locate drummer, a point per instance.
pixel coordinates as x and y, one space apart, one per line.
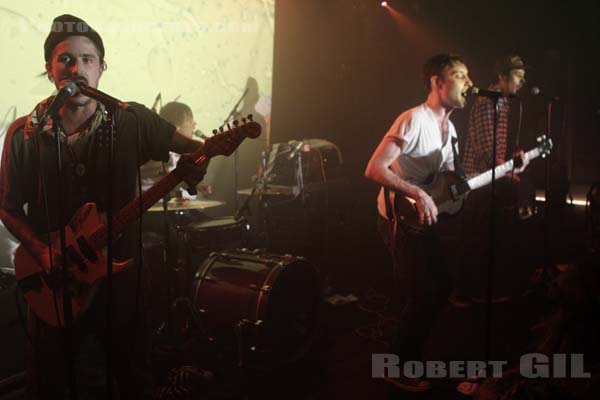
180 115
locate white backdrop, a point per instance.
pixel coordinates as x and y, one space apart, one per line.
203 52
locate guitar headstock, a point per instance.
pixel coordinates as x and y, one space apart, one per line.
544 145
224 142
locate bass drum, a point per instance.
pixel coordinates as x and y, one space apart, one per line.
263 306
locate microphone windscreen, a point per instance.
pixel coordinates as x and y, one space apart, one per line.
70 87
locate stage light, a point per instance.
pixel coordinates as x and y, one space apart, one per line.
384 4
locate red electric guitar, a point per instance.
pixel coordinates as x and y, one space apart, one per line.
86 238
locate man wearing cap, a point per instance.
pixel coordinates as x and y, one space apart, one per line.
510 78
28 176
509 73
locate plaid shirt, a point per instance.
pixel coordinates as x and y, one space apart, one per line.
478 147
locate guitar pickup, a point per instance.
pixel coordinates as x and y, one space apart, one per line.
31 282
458 189
86 249
75 257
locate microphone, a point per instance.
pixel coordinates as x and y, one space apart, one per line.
102 97
68 89
295 150
198 133
535 91
158 98
489 93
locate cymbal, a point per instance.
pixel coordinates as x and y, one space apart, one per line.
179 204
272 191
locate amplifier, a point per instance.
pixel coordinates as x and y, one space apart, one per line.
303 164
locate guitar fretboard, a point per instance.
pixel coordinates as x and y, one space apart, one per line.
501 170
132 211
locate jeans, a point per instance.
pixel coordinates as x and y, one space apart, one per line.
422 278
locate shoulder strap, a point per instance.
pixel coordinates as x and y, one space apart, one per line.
458 168
389 210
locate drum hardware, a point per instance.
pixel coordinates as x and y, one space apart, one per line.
239 332
256 309
261 306
265 288
190 319
181 204
208 278
7 277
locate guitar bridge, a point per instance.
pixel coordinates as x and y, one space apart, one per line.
458 189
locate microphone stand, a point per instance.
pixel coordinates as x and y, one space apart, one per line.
232 113
260 183
109 250
111 104
546 245
167 259
64 276
492 240
261 187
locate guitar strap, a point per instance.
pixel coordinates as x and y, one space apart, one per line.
392 225
389 211
458 168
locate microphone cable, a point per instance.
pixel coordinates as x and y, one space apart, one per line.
48 223
140 246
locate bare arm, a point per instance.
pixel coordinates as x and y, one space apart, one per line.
378 170
182 144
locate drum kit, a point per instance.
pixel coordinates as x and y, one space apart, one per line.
260 307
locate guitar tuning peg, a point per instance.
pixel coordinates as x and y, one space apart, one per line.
244 120
250 117
215 131
544 155
539 139
236 122
228 127
221 129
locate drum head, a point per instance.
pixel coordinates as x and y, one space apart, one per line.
203 237
264 305
216 223
291 313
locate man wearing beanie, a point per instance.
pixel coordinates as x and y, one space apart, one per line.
73 51
509 75
509 78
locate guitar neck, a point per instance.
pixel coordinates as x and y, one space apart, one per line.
132 211
223 143
501 170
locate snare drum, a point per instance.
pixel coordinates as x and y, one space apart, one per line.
216 234
265 306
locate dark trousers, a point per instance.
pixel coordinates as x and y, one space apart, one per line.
513 244
423 281
129 342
